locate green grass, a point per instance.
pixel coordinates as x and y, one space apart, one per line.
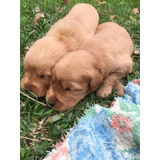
37 134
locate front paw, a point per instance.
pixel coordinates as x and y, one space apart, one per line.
120 91
103 93
120 88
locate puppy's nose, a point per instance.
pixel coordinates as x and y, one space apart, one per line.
51 104
26 90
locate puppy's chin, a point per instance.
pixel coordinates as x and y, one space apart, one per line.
62 108
39 94
35 93
58 106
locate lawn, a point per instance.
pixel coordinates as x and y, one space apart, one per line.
38 134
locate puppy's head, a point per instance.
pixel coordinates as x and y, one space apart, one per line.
73 77
38 64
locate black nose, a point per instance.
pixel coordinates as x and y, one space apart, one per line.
51 104
26 90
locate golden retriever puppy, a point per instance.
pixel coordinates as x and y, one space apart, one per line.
106 58
64 36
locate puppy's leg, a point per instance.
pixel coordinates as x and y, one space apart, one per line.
109 83
119 87
123 65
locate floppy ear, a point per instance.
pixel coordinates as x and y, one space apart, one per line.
96 80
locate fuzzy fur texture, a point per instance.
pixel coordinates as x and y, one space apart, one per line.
64 36
102 61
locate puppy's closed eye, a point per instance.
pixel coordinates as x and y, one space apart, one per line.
42 76
73 87
67 89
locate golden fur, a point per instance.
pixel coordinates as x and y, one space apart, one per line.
103 60
64 36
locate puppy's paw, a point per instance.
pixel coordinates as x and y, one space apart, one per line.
103 93
120 88
120 91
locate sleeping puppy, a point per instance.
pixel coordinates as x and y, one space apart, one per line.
64 36
104 60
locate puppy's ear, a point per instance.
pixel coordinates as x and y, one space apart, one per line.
96 80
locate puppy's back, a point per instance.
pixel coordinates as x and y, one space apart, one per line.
115 36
